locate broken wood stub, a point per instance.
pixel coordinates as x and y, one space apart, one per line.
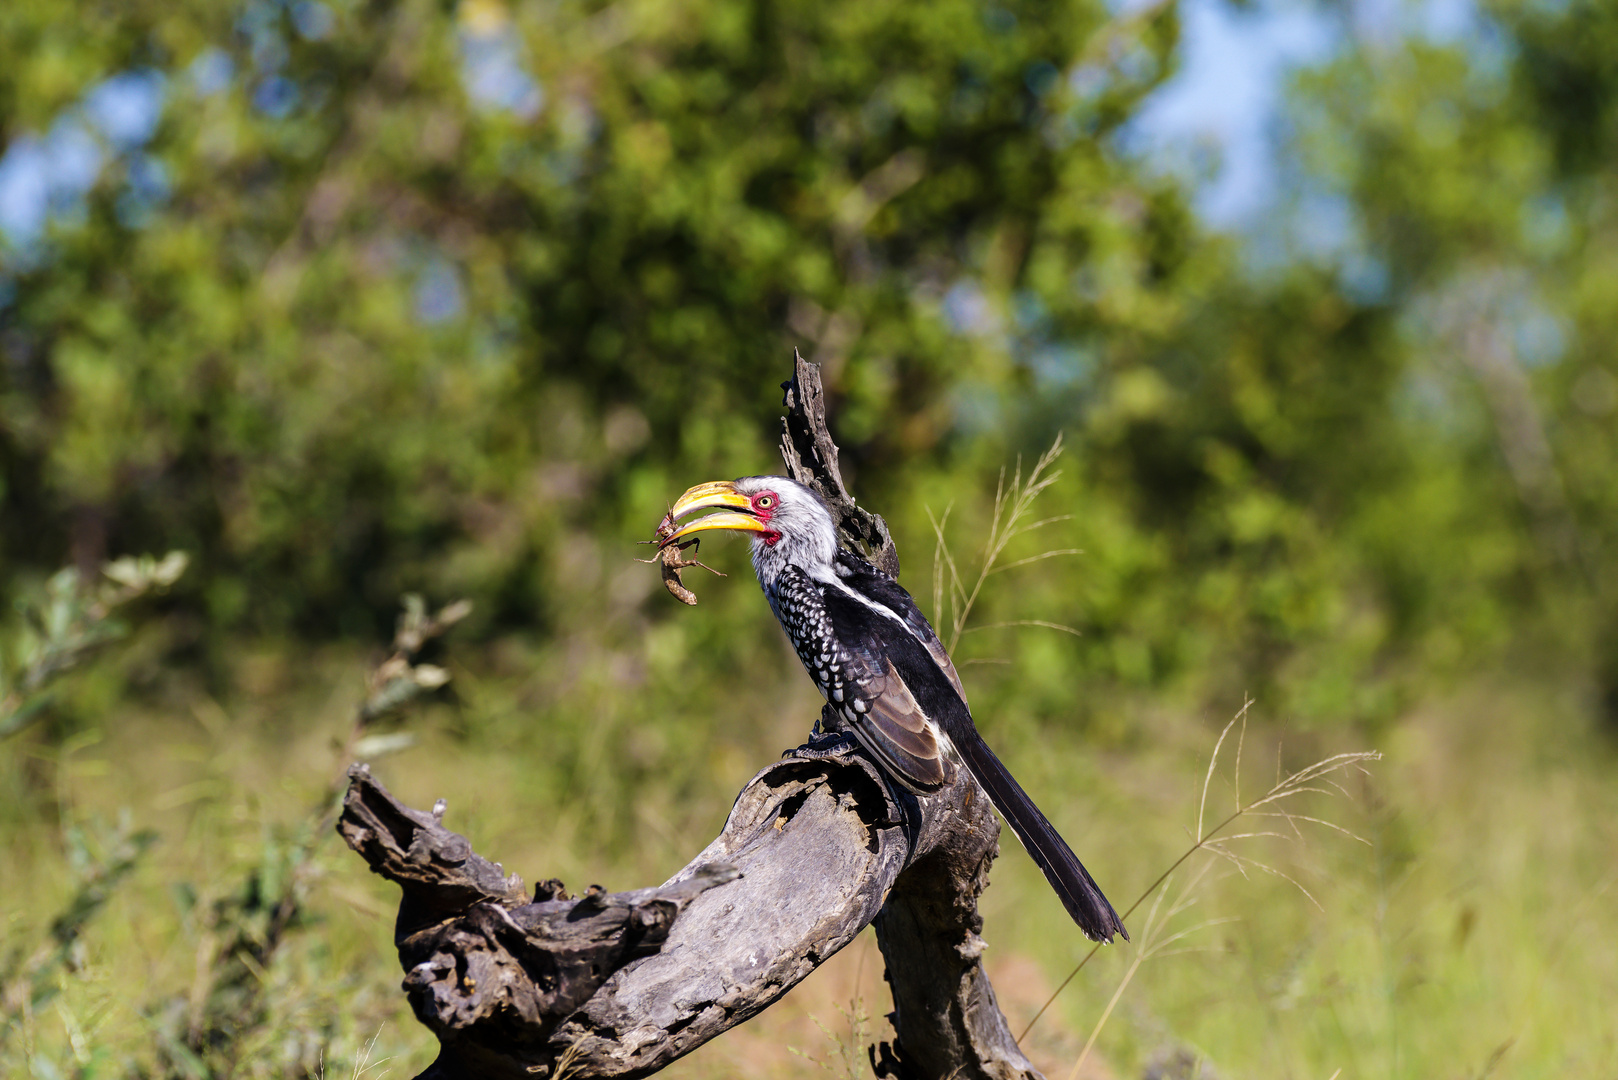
810 456
489 970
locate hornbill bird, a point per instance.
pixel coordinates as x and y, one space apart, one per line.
880 665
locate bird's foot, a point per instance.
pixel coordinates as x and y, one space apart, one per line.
825 744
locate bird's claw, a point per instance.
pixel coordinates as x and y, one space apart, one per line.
825 744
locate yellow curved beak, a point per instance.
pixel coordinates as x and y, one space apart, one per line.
713 495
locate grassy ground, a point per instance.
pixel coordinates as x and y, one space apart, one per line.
1473 933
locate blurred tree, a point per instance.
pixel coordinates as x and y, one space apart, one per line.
415 276
1481 173
401 296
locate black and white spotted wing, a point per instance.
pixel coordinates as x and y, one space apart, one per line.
842 650
874 656
871 583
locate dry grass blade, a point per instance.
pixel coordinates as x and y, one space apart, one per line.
1123 984
942 560
1309 779
1013 506
848 1062
365 1064
569 1056
1293 819
1151 943
1213 763
1037 558
1025 622
1242 862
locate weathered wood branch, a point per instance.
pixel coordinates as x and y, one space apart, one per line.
622 984
818 846
811 459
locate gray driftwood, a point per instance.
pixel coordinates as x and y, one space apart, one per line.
817 846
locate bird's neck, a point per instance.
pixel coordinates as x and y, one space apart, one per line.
771 561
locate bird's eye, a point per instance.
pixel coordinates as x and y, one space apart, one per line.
765 502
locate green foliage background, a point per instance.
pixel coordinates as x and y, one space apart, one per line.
375 335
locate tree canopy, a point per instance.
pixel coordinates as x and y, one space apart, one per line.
424 296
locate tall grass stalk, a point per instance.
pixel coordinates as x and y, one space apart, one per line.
849 1061
1013 504
364 1064
1318 778
1150 942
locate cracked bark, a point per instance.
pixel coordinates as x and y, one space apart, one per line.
818 846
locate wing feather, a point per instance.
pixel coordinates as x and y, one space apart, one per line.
866 579
898 694
894 726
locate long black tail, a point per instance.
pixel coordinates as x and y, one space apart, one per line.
1072 882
